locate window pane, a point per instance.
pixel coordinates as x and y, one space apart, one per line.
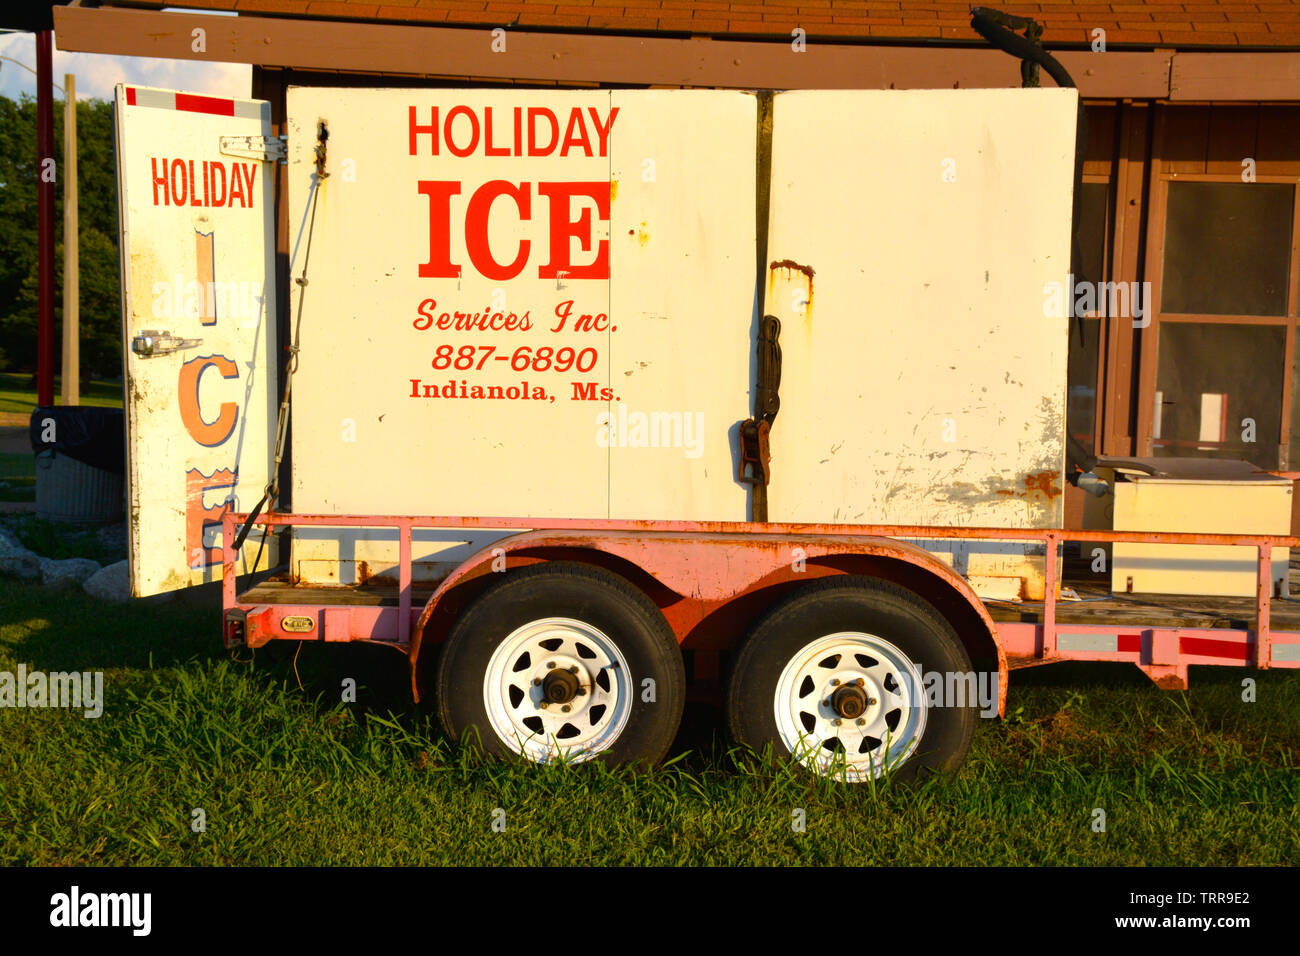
1081 410
1212 377
1227 247
1085 334
1092 231
1295 407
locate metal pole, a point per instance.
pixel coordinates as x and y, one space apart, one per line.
45 176
71 280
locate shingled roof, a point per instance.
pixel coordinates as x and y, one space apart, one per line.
1156 23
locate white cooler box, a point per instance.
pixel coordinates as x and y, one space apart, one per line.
1194 495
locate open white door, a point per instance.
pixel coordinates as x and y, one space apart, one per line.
196 211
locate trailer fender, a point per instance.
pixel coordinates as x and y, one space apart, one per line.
693 576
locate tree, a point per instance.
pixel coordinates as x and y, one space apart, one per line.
100 313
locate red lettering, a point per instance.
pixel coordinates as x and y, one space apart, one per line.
236 185
187 391
564 228
488 150
250 173
603 131
439 265
159 180
218 199
199 518
178 197
575 134
533 113
476 228
473 130
425 309
415 129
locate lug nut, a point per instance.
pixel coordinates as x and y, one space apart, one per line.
582 691
573 669
542 705
565 708
826 702
861 721
871 702
835 682
860 682
550 665
836 721
537 682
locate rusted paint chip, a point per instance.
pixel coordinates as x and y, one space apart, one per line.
1042 482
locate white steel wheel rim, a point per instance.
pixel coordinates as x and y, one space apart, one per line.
514 688
855 749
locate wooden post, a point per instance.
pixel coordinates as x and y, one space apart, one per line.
71 280
45 176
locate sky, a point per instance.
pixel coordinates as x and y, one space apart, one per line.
97 74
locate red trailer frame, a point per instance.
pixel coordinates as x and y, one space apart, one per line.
711 579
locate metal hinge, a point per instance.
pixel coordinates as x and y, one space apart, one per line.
268 149
148 343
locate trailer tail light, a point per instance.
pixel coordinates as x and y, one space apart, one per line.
234 632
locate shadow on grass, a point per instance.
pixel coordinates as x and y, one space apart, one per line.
69 630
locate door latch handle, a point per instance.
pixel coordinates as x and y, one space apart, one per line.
148 343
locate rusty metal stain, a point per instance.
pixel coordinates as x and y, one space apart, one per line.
793 266
1167 681
1043 482
788 268
1040 483
613 189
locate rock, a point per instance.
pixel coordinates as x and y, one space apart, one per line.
112 583
113 537
62 574
17 561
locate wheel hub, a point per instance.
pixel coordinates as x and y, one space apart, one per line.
559 686
849 702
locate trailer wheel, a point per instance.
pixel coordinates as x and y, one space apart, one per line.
834 675
563 660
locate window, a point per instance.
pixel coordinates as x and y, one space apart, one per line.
1223 247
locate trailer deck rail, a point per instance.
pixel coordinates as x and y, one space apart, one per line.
1161 634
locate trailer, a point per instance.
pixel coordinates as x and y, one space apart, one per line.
589 401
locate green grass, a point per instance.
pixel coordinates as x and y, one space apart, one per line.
18 394
289 776
17 477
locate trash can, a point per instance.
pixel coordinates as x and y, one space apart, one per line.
80 463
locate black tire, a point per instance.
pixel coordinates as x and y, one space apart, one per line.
596 598
855 604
